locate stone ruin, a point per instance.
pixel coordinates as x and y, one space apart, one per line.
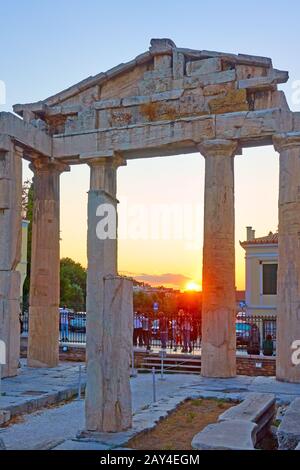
166 101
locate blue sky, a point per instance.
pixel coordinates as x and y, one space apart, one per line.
47 46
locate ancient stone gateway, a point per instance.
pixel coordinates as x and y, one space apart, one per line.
164 102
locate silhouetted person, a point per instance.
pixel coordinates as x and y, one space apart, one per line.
186 326
146 326
64 323
254 341
268 346
137 329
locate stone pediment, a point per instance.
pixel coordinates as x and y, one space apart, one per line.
166 83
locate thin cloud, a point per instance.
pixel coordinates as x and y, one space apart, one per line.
167 279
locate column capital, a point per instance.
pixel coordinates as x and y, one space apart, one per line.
104 173
41 165
19 151
218 148
110 161
286 141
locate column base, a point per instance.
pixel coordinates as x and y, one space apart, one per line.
218 372
43 339
287 380
10 334
291 375
218 349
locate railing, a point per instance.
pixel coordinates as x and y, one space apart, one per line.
255 334
72 326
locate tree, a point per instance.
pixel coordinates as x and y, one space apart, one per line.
72 284
142 301
72 274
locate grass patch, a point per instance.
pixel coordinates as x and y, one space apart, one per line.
176 431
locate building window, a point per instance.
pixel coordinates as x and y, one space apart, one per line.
270 279
269 328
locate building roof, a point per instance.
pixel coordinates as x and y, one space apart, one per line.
270 239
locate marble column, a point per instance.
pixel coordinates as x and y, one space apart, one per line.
218 357
288 281
10 252
43 341
109 308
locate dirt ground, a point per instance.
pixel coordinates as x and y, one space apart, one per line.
177 430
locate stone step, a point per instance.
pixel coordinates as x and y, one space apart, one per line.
157 360
289 429
172 364
258 408
176 364
173 359
227 435
240 427
170 371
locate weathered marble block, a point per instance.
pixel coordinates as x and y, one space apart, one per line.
213 78
289 429
233 101
258 408
205 66
4 194
4 416
178 65
227 435
114 394
162 62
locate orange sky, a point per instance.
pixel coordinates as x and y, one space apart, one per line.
175 182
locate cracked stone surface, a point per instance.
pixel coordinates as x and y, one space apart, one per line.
35 388
50 428
289 430
226 435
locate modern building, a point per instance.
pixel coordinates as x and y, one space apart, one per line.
261 277
261 273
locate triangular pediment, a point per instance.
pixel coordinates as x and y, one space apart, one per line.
164 83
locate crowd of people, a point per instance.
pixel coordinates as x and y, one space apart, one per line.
178 332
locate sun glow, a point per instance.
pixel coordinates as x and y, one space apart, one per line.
193 286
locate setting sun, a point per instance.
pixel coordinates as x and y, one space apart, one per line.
193 286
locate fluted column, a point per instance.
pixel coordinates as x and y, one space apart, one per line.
288 281
10 251
218 357
109 308
43 341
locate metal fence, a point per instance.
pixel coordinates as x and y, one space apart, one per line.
255 334
72 326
